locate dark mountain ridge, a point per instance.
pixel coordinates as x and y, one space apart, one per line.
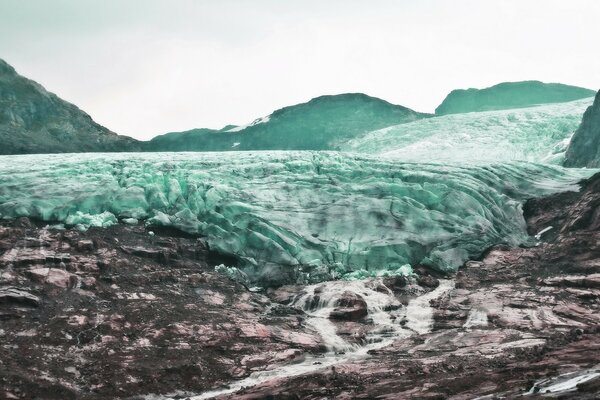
584 149
323 123
509 95
33 120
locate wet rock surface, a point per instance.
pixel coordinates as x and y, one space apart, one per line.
349 307
119 313
515 317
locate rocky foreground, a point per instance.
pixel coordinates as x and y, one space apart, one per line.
516 317
130 311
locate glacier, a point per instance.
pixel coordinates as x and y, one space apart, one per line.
433 192
535 134
292 216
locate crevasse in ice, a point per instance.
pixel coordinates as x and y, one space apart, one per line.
536 134
291 216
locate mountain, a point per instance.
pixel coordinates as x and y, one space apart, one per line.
33 120
323 123
201 139
584 149
509 95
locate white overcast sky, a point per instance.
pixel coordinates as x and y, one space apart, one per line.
143 68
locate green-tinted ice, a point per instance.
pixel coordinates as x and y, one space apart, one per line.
435 192
291 216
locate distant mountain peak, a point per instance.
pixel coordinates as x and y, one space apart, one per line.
507 95
6 68
322 123
344 96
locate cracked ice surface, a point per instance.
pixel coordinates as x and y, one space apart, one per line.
535 134
291 216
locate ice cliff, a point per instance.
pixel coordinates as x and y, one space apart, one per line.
291 216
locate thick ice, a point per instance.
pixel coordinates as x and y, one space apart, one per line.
535 134
291 216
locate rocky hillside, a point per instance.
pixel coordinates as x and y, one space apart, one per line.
584 149
323 123
509 95
33 120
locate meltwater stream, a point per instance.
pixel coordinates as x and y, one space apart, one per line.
384 311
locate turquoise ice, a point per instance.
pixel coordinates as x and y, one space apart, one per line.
432 192
291 216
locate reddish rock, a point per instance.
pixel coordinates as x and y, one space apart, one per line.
269 360
255 330
18 296
85 245
118 313
349 307
23 257
53 276
584 281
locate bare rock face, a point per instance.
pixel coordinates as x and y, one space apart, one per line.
584 149
116 312
349 307
52 276
32 120
17 296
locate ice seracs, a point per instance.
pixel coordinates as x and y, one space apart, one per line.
291 216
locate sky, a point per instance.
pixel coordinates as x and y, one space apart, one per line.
147 67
